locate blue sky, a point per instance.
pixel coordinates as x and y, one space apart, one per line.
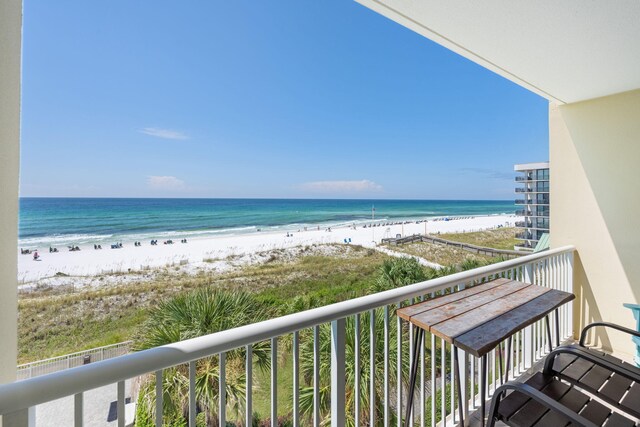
296 98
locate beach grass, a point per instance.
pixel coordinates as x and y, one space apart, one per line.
439 253
63 320
498 238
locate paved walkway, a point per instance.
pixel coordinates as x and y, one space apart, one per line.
99 408
422 261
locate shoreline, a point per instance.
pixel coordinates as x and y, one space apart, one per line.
90 262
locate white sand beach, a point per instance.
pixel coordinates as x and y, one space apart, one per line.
88 261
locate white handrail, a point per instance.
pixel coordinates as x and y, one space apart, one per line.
23 394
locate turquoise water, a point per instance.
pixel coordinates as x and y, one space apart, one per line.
60 221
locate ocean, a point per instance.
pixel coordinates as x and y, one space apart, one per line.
62 221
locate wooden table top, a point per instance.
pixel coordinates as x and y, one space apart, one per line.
476 319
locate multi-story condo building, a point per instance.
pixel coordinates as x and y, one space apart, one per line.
533 202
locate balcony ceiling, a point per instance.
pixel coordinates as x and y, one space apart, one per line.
565 51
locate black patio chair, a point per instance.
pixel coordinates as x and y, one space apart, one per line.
571 389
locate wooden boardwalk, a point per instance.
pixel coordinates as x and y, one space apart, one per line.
481 250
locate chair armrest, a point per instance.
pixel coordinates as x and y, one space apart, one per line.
586 354
583 335
538 396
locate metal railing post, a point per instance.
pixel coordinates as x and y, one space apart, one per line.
527 338
192 394
274 382
78 411
570 323
248 406
338 373
21 418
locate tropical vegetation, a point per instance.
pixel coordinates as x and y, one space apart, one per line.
206 311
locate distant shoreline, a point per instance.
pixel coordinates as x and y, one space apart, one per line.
63 241
88 261
63 222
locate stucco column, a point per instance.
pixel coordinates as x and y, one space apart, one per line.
595 202
10 52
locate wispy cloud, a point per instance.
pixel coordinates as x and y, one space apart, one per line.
167 183
490 173
164 133
360 186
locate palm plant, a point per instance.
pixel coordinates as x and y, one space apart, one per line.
397 272
201 312
393 273
307 368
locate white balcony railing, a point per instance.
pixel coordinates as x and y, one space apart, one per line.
60 363
325 329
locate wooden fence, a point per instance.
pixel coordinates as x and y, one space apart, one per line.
481 250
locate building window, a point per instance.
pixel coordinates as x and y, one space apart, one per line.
542 199
542 186
542 174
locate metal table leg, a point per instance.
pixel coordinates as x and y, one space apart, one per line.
557 328
483 386
506 374
456 365
500 361
417 341
546 318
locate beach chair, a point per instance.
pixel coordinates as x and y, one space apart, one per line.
578 385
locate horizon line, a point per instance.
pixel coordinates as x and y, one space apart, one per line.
263 198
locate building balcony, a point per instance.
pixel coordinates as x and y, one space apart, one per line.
531 202
532 190
532 225
342 330
526 236
530 179
528 213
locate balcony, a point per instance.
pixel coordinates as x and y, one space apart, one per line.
533 213
342 330
531 202
522 178
526 236
532 190
532 224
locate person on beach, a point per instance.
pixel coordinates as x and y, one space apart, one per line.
36 256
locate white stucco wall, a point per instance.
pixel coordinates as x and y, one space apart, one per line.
10 50
595 193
